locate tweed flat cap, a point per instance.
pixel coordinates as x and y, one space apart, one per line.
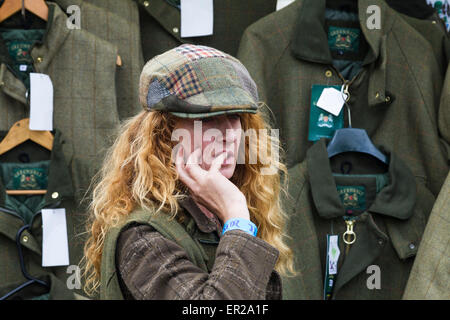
192 81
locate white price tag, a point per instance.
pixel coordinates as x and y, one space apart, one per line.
55 245
41 102
197 18
333 254
332 100
283 3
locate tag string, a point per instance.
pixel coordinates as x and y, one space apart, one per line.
344 89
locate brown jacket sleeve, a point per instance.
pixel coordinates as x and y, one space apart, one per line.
154 267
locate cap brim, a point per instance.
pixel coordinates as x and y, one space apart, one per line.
212 113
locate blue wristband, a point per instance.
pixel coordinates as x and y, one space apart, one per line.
240 224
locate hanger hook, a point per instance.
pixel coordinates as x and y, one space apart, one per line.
23 9
346 97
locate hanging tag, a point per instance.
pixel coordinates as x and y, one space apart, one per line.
322 124
41 102
333 253
283 3
332 100
55 246
197 18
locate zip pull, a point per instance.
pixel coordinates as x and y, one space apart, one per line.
349 236
345 87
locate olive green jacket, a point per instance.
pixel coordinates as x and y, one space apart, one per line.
395 98
118 23
13 217
160 24
430 276
390 217
82 68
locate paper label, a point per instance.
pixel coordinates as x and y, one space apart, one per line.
333 254
197 18
332 100
283 3
322 124
55 245
41 102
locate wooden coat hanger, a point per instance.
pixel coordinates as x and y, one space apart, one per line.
37 7
18 134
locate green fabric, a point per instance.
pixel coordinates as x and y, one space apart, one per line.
159 21
394 219
14 175
19 43
123 30
395 97
85 104
436 34
430 277
59 194
187 235
322 124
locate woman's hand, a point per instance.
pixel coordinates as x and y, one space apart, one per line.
210 188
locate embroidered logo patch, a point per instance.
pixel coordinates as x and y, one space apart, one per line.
353 198
29 179
322 124
20 51
325 120
344 39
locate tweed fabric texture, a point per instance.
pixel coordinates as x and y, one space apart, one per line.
197 81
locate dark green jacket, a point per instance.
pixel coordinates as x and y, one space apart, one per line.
435 32
82 68
18 211
395 97
160 24
390 211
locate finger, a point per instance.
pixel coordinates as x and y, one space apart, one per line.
183 175
217 162
192 165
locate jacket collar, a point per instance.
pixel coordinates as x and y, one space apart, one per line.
204 223
397 199
168 16
43 52
59 179
309 40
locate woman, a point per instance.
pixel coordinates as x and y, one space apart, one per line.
176 217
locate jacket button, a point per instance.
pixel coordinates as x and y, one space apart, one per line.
175 30
55 195
2 84
412 246
328 74
380 242
377 95
25 239
146 3
433 22
39 59
388 99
